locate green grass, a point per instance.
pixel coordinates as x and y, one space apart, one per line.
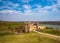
32 37
26 38
6 26
51 31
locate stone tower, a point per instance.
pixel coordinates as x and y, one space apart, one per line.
30 26
27 26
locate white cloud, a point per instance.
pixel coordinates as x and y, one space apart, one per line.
40 11
9 4
26 6
32 13
26 1
11 15
12 4
10 12
58 2
37 11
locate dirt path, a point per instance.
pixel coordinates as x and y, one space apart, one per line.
48 35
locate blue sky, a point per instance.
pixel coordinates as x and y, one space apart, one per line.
30 10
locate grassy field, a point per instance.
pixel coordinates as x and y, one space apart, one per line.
26 38
51 31
6 26
10 37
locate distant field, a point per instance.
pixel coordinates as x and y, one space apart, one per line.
26 38
5 26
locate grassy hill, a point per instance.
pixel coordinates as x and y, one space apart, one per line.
32 37
26 38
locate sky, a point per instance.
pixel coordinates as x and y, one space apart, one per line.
29 10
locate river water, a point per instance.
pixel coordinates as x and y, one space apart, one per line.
52 26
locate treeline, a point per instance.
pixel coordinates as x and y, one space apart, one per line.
18 27
51 22
4 23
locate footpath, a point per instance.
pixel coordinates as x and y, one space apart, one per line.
55 37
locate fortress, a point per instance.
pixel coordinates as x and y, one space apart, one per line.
30 26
